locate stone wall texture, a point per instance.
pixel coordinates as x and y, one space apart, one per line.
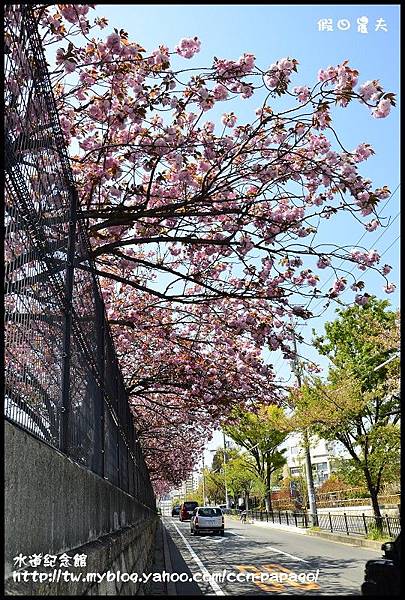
54 506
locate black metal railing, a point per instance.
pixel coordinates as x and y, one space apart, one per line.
63 382
359 524
282 517
363 525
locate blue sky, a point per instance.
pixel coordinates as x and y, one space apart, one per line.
271 32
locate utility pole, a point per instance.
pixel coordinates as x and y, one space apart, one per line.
308 464
226 487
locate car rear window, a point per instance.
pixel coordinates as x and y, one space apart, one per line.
190 505
209 512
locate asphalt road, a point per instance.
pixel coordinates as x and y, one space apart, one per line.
335 568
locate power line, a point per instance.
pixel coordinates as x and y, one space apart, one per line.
344 260
379 237
359 240
367 269
381 212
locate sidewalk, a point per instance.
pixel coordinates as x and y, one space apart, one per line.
168 559
342 538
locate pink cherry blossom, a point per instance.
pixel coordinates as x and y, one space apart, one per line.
338 285
323 262
361 299
187 47
368 89
372 225
229 119
389 288
382 110
303 93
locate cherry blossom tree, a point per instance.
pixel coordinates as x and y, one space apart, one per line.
205 230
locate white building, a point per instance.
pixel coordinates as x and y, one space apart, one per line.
322 455
186 488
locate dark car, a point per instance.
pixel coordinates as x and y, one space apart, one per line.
175 511
382 575
187 509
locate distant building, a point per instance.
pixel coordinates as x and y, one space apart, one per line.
322 455
189 485
187 488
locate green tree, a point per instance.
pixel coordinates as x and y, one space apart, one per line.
358 405
214 486
218 459
261 434
347 471
242 478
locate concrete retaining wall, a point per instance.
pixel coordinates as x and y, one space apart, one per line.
391 511
53 505
110 559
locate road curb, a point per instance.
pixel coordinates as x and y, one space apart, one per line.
270 525
333 537
347 539
170 586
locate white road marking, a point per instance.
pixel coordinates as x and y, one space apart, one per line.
203 569
211 538
286 554
242 537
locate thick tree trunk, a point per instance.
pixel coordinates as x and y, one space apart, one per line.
374 498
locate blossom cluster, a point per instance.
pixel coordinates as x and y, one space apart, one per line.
187 47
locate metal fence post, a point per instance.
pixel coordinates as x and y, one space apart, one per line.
388 525
345 518
279 516
286 516
365 523
330 523
100 360
118 456
67 323
295 519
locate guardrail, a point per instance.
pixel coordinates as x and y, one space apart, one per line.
338 523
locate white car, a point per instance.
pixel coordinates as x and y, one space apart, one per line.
207 518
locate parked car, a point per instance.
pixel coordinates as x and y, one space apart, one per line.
186 510
175 511
382 574
207 518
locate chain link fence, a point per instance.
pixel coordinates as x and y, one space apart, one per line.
62 379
